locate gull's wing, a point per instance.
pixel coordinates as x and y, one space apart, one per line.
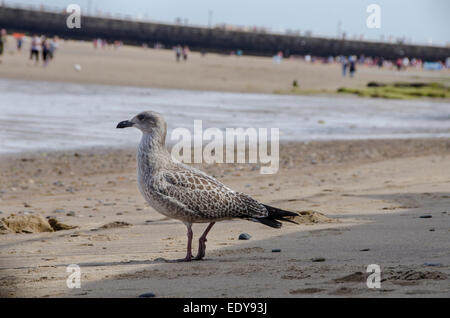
205 196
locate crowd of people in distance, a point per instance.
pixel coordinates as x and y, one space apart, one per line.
181 51
102 43
40 46
349 63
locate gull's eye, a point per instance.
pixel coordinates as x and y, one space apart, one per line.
141 117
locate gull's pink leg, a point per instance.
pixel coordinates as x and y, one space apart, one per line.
202 242
190 235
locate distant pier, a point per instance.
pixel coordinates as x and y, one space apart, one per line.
206 39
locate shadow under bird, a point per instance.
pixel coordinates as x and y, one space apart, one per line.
187 194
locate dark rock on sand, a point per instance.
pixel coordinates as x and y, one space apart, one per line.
147 295
244 236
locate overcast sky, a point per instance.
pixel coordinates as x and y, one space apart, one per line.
421 21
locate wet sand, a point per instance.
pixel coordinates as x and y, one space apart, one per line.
136 66
35 115
376 190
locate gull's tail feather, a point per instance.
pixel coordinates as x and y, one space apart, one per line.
274 216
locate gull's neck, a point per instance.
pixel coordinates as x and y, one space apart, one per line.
152 151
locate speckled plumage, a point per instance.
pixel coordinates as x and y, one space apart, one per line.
182 192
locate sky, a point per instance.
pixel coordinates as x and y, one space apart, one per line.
420 21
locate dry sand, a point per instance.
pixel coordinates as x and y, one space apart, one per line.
136 66
376 190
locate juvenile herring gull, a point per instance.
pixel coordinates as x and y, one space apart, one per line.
185 193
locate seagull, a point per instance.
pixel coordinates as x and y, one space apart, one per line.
189 195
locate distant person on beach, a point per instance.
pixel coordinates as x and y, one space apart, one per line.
178 51
53 46
3 38
405 62
35 48
352 66
344 64
45 51
19 42
2 42
399 64
380 62
185 52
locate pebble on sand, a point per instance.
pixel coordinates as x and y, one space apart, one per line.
433 264
147 295
318 259
425 216
276 250
244 236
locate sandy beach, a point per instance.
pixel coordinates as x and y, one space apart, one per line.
136 66
376 194
381 201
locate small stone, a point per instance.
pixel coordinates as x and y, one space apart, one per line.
59 211
71 213
276 250
425 216
433 264
147 295
432 230
244 236
365 250
318 259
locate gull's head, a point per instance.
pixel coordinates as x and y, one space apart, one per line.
148 122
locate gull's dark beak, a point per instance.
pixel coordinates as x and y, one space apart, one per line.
125 124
